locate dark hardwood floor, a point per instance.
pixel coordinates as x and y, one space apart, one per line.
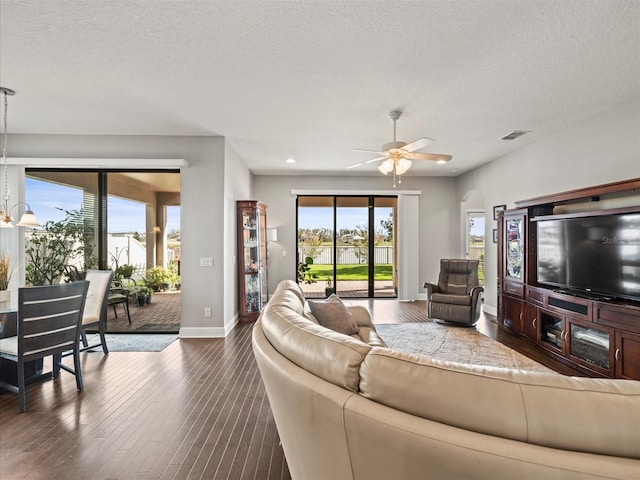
198 409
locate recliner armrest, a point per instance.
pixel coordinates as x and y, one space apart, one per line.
475 291
431 288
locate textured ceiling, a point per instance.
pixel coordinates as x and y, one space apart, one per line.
313 80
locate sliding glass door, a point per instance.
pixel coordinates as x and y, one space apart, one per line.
346 245
126 221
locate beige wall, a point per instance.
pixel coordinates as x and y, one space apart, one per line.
438 228
604 148
202 212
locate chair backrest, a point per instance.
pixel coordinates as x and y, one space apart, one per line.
49 318
458 276
96 305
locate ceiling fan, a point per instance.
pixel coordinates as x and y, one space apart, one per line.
398 156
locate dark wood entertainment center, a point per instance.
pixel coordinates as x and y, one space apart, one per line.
595 334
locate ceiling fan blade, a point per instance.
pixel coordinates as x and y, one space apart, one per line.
354 165
427 156
418 144
376 159
364 163
368 151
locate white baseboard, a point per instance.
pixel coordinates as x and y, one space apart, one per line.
202 332
209 332
490 310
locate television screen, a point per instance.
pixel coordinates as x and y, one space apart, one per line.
599 254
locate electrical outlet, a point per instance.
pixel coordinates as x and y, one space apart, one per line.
207 312
284 253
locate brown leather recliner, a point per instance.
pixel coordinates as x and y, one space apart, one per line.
456 298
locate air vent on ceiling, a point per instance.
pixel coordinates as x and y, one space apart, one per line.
515 134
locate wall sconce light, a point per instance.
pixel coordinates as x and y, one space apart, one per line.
272 234
28 218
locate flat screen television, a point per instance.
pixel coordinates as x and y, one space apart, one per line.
598 255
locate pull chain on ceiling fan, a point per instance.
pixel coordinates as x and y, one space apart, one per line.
398 156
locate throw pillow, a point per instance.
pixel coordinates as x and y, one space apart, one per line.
334 314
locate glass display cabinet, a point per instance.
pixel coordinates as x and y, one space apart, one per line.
252 258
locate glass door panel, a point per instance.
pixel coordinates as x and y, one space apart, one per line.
127 235
384 257
352 246
67 243
315 243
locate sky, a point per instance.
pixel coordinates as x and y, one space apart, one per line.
46 199
322 217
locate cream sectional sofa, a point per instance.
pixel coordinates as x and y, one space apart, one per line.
347 407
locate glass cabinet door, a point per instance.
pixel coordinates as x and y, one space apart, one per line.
514 248
589 345
551 331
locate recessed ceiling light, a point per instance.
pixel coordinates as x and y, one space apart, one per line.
441 162
290 160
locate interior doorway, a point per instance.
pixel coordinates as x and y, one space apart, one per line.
475 240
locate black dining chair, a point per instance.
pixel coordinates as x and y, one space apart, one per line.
49 319
118 294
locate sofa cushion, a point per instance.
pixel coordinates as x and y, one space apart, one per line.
330 355
370 336
334 314
361 315
544 409
292 287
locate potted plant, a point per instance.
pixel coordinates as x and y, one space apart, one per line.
5 276
156 277
305 275
144 295
329 289
124 271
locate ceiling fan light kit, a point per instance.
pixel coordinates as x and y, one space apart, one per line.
398 156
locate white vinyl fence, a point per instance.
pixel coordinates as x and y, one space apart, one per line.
346 255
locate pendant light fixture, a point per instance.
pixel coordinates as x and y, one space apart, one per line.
28 218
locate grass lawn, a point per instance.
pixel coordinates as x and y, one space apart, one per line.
352 272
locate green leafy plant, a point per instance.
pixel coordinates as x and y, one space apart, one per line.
305 275
124 271
50 250
156 277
